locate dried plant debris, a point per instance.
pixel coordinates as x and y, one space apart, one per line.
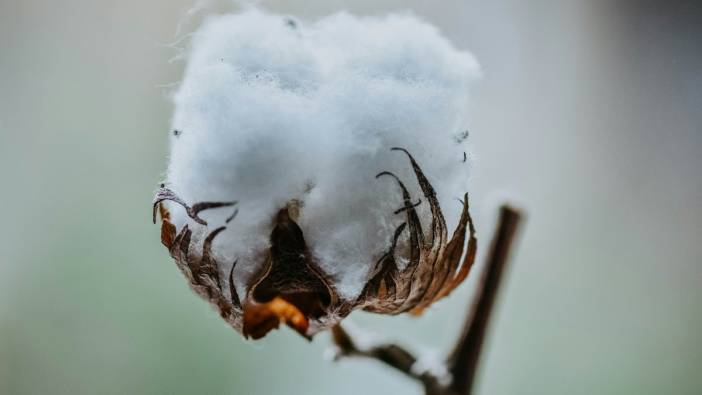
291 286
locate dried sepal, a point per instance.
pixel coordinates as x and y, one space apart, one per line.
450 274
201 272
433 270
289 276
193 212
168 230
290 286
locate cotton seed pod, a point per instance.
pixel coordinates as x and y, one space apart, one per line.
291 288
293 121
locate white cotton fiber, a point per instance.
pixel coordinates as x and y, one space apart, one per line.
272 109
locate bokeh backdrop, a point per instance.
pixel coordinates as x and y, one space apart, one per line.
589 116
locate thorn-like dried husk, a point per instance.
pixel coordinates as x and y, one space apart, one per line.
291 288
433 270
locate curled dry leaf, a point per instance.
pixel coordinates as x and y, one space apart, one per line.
292 289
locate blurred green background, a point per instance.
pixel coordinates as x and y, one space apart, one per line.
589 116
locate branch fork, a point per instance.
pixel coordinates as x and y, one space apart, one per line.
462 361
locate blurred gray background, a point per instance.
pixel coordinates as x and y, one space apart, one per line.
589 116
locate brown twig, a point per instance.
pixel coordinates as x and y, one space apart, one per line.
463 361
391 354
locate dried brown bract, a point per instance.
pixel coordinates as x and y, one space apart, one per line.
292 289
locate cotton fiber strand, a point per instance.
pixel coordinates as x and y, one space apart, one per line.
272 109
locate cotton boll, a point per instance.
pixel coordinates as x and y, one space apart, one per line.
269 112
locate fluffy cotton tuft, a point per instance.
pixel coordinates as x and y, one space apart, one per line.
271 109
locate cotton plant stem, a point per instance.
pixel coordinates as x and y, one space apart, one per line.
390 354
463 361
